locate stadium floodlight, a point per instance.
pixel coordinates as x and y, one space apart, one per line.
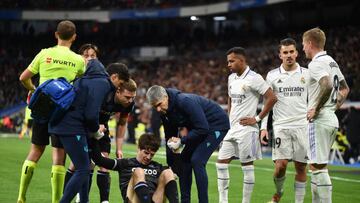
194 18
219 18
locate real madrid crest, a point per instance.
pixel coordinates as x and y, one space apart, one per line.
302 80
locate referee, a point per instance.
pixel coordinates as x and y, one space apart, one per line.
50 63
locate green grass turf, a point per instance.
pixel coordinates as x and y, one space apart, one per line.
346 181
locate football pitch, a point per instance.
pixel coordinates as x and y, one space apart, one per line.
346 180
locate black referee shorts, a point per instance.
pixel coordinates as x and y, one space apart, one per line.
41 136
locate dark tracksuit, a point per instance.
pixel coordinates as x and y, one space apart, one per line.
79 121
208 124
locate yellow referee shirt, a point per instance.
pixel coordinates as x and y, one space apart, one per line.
56 62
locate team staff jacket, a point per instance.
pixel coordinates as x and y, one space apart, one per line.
199 115
91 90
125 167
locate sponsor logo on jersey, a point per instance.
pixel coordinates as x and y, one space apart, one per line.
237 98
333 64
291 91
63 62
48 60
279 81
148 171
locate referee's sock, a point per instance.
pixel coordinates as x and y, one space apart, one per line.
57 182
103 183
171 192
142 192
26 175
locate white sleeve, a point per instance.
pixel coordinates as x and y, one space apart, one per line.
317 70
259 84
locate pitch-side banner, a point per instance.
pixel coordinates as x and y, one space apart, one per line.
107 15
102 16
146 13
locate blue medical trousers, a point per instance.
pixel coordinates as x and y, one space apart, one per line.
77 148
194 158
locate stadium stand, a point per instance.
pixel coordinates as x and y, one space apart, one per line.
96 4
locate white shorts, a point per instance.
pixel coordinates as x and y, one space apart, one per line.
320 140
290 144
246 146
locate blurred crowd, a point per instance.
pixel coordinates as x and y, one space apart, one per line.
98 4
199 68
197 64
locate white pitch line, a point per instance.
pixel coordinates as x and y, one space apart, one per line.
161 154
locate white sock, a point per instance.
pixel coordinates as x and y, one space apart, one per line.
324 186
249 181
223 181
300 189
314 192
279 184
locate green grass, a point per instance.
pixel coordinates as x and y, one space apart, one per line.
346 186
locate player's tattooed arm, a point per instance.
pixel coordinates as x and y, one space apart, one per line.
324 94
342 94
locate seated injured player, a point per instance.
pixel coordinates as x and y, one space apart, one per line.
141 179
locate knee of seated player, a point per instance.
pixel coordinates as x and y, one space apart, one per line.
167 175
138 175
101 169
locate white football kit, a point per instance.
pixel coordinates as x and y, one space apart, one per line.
322 130
289 113
243 141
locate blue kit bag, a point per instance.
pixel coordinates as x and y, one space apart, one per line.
51 100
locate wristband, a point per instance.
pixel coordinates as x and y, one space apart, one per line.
257 118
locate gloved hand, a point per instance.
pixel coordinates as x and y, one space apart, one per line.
97 135
174 144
